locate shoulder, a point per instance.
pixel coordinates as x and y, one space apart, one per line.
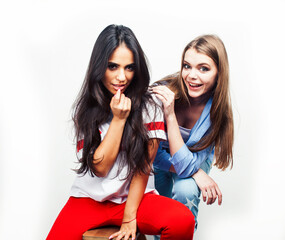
153 109
153 118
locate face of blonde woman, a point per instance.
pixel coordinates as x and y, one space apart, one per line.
120 70
199 73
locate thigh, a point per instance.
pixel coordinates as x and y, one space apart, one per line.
161 215
163 182
186 191
78 216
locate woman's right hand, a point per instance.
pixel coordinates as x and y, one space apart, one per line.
127 230
168 99
120 106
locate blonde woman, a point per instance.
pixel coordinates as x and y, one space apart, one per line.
199 121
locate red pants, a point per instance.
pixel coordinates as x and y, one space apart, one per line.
156 215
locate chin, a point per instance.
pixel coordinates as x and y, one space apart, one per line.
194 95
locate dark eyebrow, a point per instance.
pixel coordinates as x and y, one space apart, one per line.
131 64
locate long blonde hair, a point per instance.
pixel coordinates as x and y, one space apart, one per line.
222 128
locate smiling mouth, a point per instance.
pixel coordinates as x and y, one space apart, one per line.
195 85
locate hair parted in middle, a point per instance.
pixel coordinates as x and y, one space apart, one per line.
92 106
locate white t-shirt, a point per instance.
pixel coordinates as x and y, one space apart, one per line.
114 187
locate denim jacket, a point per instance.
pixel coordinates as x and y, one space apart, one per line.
185 162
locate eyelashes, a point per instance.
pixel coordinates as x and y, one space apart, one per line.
131 67
186 66
114 66
204 69
201 68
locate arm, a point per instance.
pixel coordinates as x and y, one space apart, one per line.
106 153
181 160
208 187
185 162
136 192
168 98
206 184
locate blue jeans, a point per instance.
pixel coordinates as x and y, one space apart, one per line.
184 190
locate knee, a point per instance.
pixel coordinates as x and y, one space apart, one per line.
186 188
188 226
182 227
187 192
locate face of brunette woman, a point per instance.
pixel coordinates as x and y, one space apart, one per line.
199 73
120 70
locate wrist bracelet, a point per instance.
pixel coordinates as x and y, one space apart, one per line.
130 220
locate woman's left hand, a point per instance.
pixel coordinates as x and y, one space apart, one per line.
208 187
127 230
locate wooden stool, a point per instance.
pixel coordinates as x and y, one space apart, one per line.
104 233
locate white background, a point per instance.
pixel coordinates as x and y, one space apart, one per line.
44 51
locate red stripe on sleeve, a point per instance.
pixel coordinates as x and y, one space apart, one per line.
80 145
155 126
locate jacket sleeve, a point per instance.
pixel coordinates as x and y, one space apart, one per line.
186 163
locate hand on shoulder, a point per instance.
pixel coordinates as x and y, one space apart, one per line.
167 98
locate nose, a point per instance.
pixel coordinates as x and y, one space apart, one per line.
121 75
193 74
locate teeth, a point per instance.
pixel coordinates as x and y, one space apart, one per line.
194 85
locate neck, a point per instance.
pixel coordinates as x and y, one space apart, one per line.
201 100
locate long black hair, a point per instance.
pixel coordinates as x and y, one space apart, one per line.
92 106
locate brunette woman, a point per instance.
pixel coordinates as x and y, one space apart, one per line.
118 128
